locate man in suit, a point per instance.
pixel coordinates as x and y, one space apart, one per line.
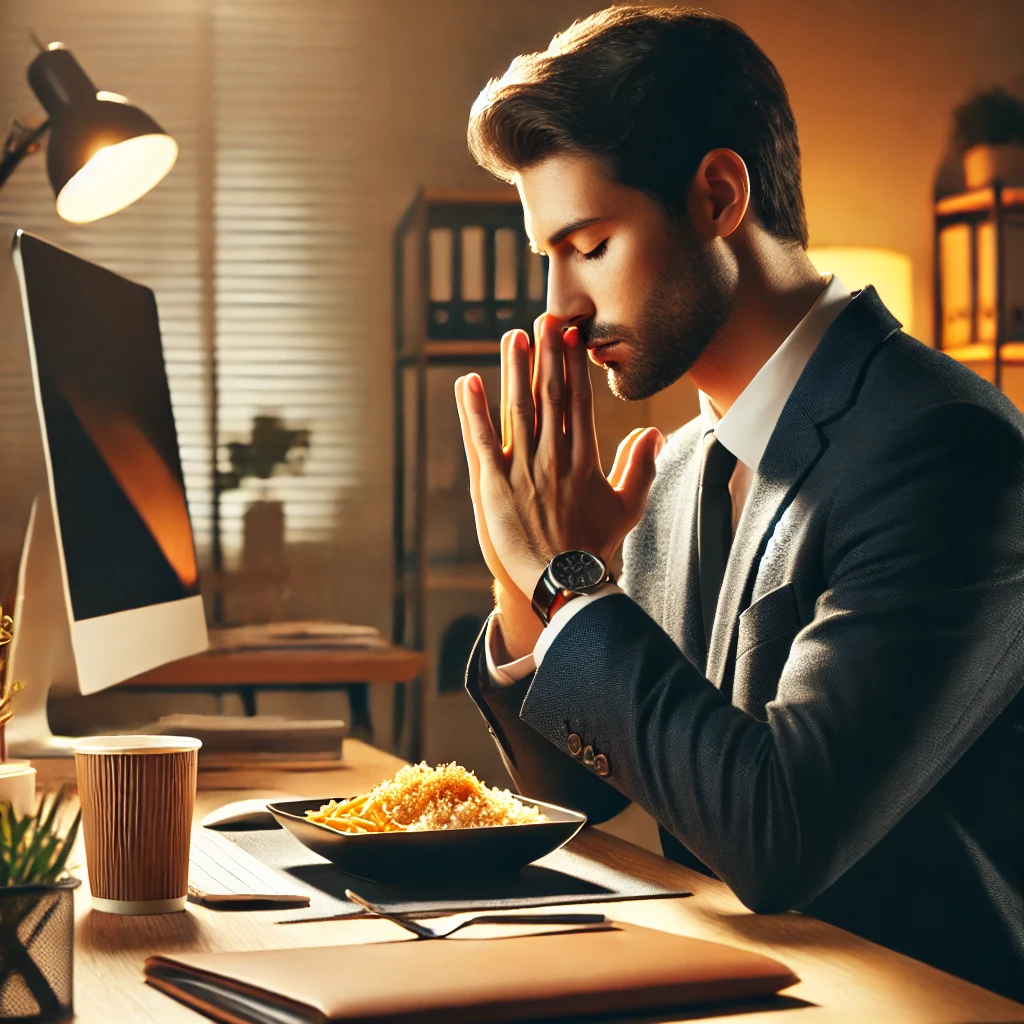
810 670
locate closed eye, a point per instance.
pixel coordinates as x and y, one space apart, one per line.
597 252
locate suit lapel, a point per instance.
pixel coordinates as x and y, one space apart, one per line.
825 389
781 470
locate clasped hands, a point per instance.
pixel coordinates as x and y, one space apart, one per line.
537 486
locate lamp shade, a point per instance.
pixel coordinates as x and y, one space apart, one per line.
858 266
103 152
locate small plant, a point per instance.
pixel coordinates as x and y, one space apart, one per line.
995 118
34 848
272 444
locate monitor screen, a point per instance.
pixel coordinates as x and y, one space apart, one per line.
113 450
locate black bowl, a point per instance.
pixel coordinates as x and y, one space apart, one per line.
457 853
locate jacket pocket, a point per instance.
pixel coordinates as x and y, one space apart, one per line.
769 618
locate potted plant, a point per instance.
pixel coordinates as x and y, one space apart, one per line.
989 132
37 917
271 444
271 447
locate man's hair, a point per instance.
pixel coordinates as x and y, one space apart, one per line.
649 91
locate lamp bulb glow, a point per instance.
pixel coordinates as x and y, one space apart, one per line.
115 177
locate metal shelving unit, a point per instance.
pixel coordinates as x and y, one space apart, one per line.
463 275
979 210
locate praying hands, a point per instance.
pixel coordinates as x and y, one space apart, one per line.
538 487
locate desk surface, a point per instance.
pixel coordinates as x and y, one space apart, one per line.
844 978
252 668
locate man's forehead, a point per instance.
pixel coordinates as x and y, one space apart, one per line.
563 190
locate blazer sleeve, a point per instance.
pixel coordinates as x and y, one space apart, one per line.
538 768
915 646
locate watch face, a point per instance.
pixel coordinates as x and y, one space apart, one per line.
577 570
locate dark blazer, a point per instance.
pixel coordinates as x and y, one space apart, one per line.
852 744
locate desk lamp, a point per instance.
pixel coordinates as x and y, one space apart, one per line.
103 153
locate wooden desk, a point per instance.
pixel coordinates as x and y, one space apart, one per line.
844 978
245 672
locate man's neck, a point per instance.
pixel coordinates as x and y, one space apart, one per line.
770 302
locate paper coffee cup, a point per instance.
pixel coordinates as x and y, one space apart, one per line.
18 786
138 794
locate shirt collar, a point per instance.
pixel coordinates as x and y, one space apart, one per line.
747 427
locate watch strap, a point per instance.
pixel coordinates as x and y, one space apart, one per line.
563 597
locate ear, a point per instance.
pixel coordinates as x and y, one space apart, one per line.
719 194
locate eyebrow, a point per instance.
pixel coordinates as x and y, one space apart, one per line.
563 233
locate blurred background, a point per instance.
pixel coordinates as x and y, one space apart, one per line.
297 277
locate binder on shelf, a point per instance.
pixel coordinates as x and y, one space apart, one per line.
483 277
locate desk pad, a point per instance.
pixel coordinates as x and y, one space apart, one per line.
561 877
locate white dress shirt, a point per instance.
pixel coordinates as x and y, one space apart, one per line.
744 430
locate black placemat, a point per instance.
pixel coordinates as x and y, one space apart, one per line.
561 877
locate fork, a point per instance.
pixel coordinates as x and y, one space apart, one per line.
457 921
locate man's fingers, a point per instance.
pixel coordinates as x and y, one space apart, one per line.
579 414
521 412
549 390
482 434
471 457
639 471
622 456
538 329
506 424
486 545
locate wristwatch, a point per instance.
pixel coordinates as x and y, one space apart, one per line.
569 574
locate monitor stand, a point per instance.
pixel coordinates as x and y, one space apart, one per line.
40 653
29 736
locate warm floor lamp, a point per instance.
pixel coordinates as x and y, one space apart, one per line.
857 266
103 152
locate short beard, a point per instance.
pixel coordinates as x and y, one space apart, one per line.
687 306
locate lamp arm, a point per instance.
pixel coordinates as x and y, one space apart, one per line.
19 143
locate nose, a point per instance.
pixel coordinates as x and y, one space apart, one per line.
568 301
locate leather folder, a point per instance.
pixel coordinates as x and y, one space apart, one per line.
457 981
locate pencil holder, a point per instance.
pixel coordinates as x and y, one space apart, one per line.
37 940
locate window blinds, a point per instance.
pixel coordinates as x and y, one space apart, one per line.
249 244
287 254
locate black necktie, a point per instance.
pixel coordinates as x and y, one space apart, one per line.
714 525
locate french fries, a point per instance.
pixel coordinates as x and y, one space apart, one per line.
360 814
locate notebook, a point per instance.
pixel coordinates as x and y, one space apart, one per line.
456 981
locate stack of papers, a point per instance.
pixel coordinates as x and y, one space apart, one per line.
312 635
228 739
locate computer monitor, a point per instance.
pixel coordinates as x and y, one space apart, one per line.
107 584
